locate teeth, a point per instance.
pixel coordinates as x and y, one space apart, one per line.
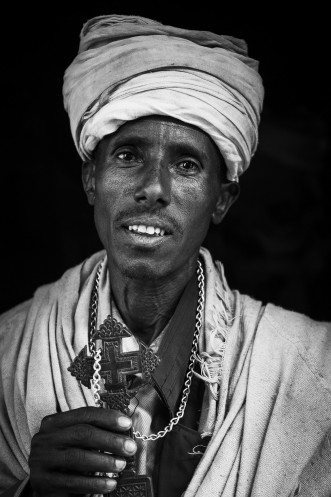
141 228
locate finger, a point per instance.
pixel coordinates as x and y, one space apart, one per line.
86 461
108 419
90 437
84 437
74 484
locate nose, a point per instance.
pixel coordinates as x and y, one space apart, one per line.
153 188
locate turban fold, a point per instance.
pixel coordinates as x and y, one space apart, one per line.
130 67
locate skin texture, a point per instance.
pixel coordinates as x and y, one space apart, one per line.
154 171
65 451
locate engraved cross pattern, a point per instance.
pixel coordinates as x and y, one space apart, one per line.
116 364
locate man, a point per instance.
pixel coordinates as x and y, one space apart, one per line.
140 370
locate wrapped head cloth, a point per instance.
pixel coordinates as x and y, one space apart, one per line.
130 67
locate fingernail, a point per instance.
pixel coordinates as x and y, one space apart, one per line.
120 464
124 422
111 484
130 446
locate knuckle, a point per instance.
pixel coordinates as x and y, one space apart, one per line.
38 457
47 422
111 441
81 433
34 442
67 482
74 457
84 413
88 414
116 442
39 446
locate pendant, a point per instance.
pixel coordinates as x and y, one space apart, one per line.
116 366
117 389
133 486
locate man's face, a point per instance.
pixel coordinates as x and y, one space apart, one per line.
157 185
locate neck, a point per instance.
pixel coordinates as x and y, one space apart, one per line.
147 305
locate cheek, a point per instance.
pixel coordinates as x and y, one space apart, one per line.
106 199
109 187
197 205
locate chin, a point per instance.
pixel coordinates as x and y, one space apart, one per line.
143 270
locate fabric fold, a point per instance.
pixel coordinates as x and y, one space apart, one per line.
271 413
119 54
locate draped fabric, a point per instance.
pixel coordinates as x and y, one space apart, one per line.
267 400
130 67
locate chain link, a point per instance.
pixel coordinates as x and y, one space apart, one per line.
94 309
187 385
188 381
96 378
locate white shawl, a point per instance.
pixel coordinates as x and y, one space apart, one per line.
268 406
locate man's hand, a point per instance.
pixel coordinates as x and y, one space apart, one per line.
70 447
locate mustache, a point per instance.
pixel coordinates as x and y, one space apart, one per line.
163 217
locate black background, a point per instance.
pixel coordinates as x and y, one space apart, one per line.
275 242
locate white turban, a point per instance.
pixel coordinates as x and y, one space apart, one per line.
130 67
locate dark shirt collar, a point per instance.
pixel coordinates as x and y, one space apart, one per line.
175 348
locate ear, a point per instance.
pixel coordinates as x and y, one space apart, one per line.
88 179
228 195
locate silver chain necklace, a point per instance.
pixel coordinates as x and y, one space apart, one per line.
187 385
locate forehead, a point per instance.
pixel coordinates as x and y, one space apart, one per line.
166 131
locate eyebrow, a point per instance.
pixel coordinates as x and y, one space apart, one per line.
178 148
189 149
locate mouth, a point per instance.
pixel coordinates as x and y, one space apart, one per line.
147 227
146 230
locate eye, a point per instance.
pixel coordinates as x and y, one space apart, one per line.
188 167
127 156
